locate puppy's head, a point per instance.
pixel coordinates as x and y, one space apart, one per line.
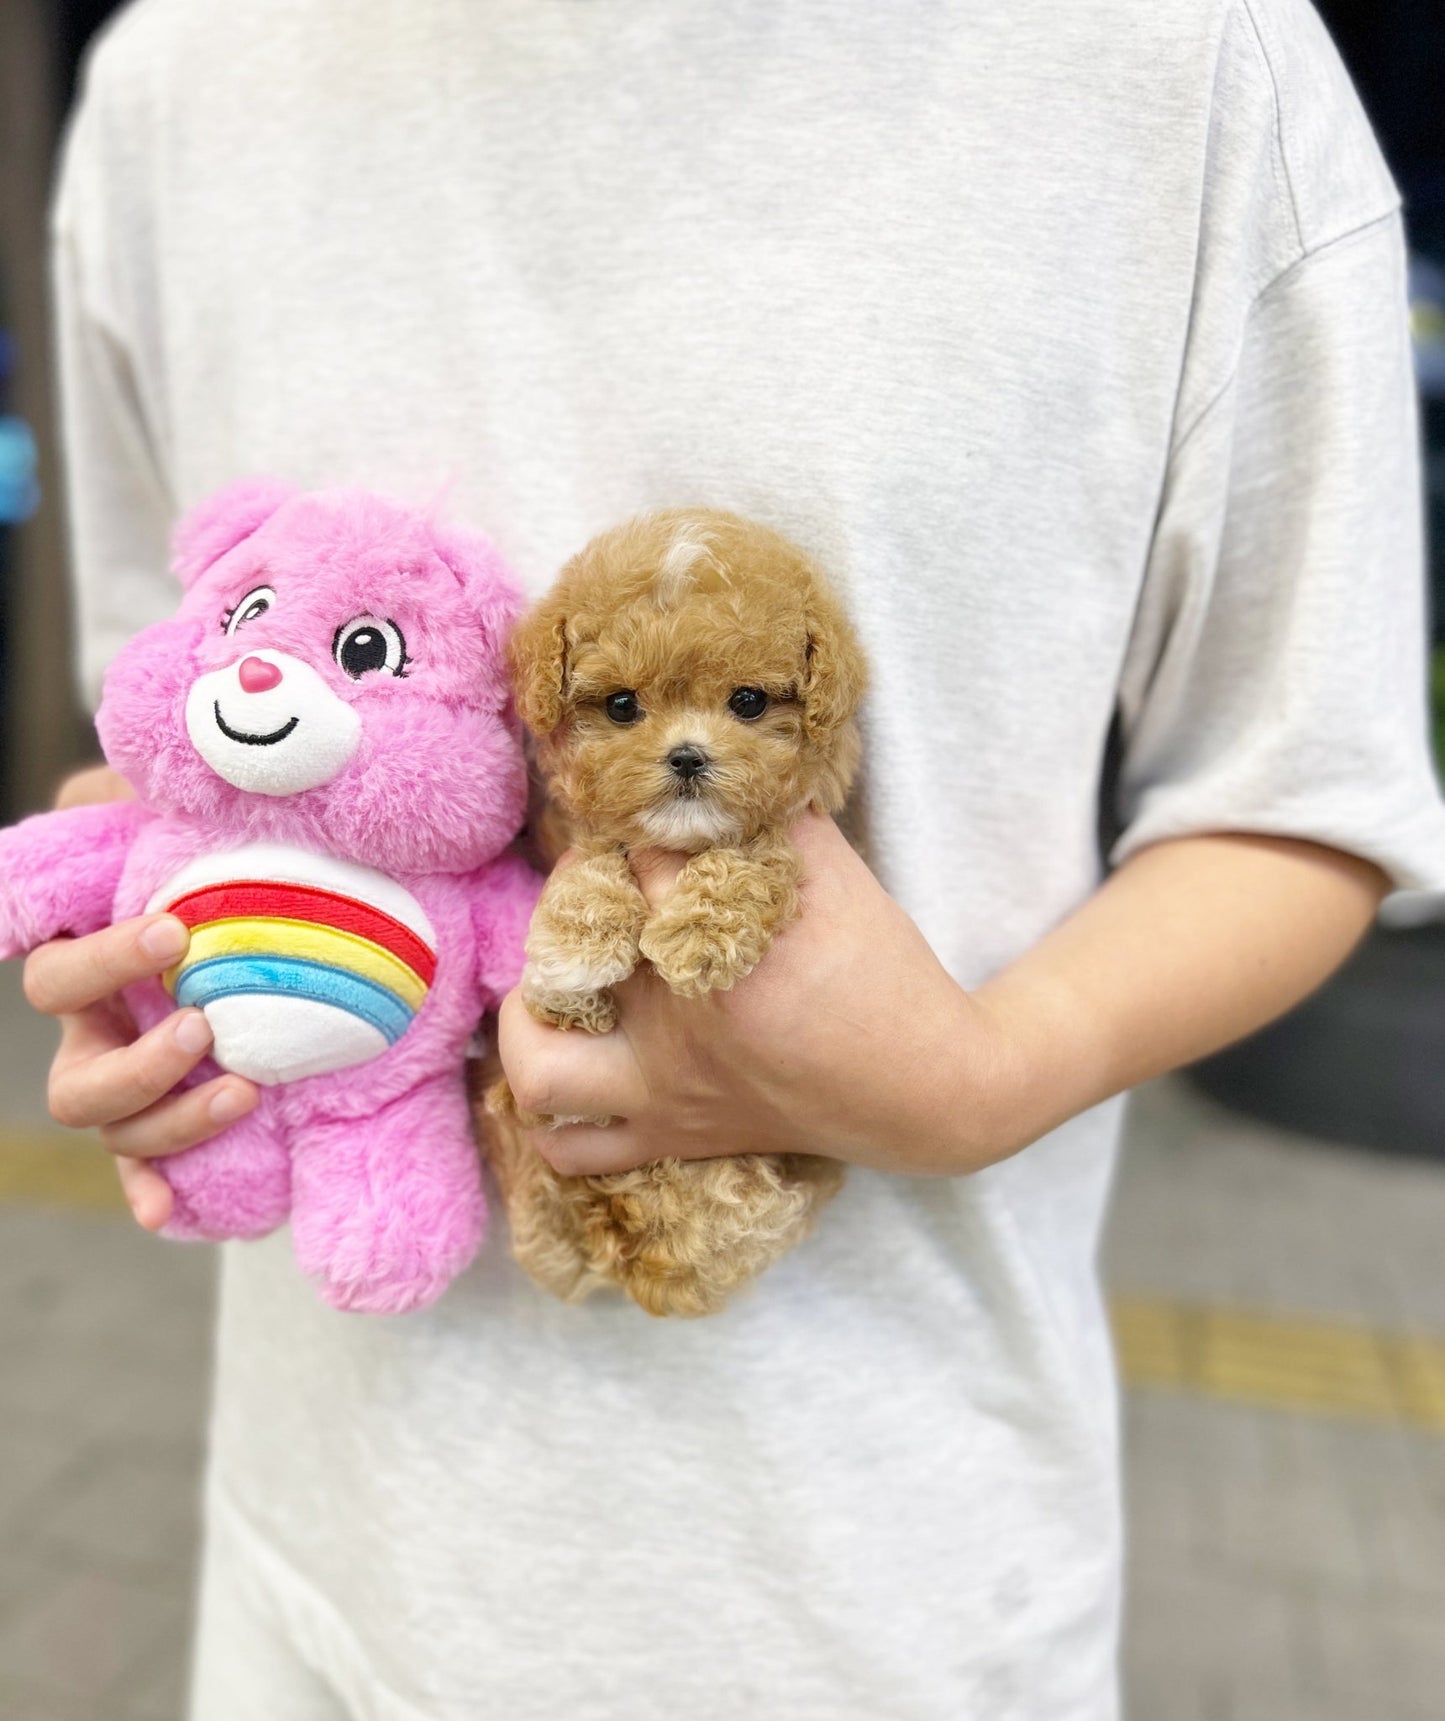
691 681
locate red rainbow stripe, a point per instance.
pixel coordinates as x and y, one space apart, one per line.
258 900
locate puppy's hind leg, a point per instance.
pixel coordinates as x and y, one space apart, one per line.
680 1237
545 1210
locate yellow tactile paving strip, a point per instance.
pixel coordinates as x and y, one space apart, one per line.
58 1171
1310 1367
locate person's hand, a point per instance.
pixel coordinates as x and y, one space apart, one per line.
849 1040
93 785
107 1077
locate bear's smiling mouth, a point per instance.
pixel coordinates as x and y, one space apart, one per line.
253 740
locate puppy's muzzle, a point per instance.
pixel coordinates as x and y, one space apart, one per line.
687 763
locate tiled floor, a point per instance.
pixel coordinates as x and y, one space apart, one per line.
1285 1566
1288 1563
103 1362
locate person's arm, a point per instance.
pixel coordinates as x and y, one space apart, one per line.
1190 945
850 1039
119 506
1272 687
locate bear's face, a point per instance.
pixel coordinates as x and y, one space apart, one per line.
334 677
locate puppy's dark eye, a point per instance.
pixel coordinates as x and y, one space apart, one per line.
623 707
748 703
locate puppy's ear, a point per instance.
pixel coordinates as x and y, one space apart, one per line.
834 673
538 653
834 677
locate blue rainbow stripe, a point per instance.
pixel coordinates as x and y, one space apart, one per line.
225 976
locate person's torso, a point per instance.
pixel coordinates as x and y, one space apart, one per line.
913 284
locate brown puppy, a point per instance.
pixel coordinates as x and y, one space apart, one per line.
692 685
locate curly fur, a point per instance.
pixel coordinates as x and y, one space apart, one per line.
682 608
679 1236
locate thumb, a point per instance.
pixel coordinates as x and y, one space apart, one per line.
656 872
95 783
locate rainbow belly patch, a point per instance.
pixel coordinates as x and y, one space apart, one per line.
300 978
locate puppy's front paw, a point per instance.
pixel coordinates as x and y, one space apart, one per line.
694 955
565 1007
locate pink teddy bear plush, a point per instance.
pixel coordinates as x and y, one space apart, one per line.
329 774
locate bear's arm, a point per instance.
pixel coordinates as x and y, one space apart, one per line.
59 872
503 897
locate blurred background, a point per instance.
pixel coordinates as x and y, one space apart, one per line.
1275 1256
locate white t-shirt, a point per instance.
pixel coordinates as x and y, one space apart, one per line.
1072 339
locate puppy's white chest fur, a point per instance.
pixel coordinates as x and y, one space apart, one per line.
683 824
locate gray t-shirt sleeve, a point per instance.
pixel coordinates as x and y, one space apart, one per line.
119 505
1275 681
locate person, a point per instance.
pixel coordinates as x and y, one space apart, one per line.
1072 341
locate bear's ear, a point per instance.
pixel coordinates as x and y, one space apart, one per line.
484 576
222 521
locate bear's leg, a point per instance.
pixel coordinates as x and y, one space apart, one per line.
388 1209
237 1184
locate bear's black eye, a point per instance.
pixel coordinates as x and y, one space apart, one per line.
255 603
368 644
748 703
622 707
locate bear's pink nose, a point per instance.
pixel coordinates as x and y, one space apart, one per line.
258 676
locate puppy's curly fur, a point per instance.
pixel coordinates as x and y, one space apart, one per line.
691 684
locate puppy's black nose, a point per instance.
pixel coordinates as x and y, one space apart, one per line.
687 762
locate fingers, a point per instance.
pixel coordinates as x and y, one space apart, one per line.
95 1082
816 833
592 1150
656 872
147 1192
95 783
104 1077
566 1074
180 1121
100 1028
71 973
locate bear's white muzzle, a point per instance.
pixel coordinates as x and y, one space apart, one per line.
269 724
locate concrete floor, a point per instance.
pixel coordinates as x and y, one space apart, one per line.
1287 1520
1286 1565
103 1365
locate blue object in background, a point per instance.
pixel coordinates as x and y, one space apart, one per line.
19 486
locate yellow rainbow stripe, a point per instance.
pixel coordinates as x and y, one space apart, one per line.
308 942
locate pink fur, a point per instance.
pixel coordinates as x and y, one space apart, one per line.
59 873
375 1163
414 1207
221 522
444 730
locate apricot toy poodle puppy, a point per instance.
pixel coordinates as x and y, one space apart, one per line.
691 684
